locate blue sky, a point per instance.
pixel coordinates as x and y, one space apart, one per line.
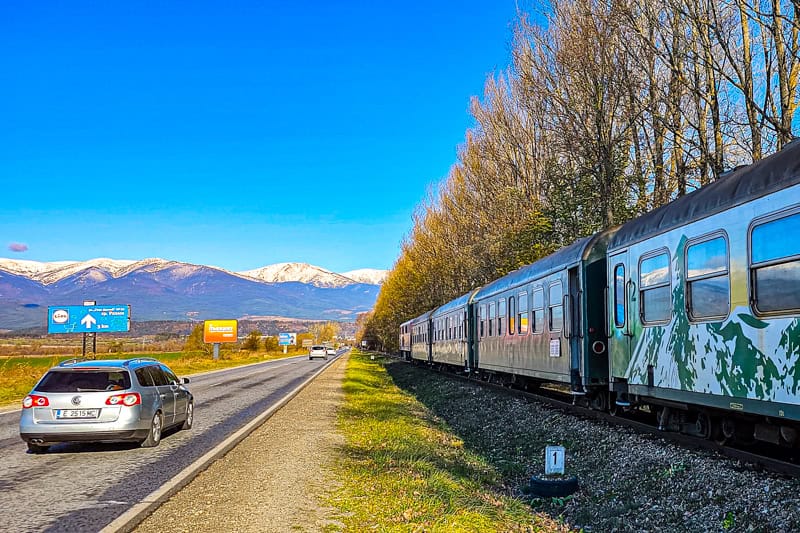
235 134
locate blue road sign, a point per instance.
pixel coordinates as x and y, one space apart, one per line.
88 318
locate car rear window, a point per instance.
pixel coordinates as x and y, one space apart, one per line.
317 347
84 381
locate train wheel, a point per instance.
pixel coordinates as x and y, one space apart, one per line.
599 401
702 426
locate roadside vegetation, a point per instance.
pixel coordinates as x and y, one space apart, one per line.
24 360
403 469
18 374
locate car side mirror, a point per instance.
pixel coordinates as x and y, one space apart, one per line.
185 380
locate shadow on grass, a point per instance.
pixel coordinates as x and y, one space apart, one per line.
487 421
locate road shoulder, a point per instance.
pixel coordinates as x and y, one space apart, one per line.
275 479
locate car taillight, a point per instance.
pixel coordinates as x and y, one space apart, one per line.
33 400
128 399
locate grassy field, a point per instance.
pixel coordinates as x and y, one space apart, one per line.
19 374
404 470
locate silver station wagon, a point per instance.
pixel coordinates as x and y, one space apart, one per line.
101 401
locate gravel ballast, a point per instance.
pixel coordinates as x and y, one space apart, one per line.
628 481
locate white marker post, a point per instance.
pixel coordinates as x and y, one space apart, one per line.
554 458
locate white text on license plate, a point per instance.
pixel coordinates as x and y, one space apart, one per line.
77 413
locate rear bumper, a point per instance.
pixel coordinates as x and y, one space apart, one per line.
94 436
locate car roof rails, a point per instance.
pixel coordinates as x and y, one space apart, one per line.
139 360
75 360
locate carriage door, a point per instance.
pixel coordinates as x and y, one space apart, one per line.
618 314
574 330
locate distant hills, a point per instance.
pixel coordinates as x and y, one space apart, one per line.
163 290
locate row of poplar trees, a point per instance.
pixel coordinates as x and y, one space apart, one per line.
608 110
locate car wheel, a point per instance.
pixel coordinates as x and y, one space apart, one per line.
154 437
37 448
187 424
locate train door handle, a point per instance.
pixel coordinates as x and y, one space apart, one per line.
631 290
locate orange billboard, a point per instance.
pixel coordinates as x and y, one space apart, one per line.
219 331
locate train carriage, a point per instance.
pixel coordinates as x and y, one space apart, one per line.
542 322
450 340
704 304
421 335
405 340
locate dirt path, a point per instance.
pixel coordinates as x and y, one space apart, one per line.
273 480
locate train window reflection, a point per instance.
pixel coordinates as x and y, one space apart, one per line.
775 265
654 282
619 295
512 314
556 307
769 240
707 279
538 310
522 318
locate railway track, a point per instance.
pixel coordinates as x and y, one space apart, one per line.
773 459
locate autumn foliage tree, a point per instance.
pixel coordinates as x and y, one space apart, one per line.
607 110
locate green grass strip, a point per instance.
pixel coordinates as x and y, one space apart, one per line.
403 470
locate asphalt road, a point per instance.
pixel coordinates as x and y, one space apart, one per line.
83 487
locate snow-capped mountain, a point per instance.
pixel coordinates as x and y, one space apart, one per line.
372 276
158 289
51 272
302 272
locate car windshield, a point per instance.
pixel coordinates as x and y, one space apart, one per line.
84 380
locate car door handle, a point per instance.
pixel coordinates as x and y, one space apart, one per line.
163 396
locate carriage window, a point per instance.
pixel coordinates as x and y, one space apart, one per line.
619 295
522 317
707 279
556 307
492 317
501 314
482 320
538 310
512 315
775 265
654 289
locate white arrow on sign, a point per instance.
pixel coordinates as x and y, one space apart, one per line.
88 321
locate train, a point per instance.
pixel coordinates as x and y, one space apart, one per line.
690 312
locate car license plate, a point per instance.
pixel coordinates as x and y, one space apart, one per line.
77 413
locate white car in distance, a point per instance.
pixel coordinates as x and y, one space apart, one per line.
317 351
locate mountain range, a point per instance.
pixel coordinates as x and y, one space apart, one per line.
159 289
